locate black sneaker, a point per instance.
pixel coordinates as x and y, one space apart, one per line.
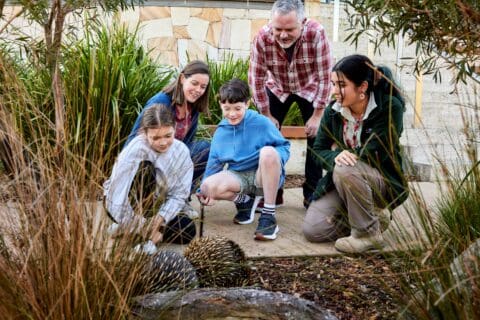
267 227
245 214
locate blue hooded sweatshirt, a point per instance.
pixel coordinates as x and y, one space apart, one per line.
239 145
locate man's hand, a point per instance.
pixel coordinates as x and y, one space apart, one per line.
311 127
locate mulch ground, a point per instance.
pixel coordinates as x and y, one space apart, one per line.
350 287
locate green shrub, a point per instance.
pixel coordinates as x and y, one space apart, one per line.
227 69
108 78
221 72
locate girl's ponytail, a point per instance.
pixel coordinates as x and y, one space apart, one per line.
384 82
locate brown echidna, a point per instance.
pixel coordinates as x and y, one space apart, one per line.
166 271
219 262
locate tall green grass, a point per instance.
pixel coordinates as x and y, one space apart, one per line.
221 72
109 77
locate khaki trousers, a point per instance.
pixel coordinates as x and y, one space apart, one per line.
349 208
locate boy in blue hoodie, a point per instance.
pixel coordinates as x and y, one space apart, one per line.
247 157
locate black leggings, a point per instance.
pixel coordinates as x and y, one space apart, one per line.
279 110
181 229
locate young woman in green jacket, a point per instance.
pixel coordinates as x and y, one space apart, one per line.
358 144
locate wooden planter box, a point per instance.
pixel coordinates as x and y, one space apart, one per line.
289 132
294 132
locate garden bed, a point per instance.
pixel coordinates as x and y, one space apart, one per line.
350 287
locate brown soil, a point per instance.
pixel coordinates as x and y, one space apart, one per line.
350 287
294 181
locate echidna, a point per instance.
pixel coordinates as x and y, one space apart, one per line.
166 271
219 262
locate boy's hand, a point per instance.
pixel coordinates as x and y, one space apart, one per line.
204 199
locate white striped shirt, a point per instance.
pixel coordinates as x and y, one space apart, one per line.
173 167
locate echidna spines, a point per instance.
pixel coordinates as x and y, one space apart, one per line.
167 271
218 261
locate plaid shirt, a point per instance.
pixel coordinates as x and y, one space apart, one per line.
308 74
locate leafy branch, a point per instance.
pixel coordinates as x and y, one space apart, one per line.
450 30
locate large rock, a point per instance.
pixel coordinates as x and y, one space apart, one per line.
231 303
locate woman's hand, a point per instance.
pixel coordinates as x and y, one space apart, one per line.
346 158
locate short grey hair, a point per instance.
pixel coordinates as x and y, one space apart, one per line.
284 7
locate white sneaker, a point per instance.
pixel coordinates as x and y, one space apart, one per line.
190 212
147 247
352 244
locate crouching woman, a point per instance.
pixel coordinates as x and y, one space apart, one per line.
358 144
147 191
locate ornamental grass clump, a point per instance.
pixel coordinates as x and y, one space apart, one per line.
110 78
56 259
441 257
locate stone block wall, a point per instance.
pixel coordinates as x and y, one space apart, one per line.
175 34
172 33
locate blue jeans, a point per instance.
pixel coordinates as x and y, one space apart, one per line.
199 150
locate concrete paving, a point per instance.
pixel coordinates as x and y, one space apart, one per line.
290 240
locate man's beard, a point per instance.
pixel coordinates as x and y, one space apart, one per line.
288 44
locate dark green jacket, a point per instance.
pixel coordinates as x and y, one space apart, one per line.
380 146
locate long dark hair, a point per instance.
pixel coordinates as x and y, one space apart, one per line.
175 89
359 68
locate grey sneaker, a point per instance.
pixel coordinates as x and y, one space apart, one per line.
354 244
245 212
267 228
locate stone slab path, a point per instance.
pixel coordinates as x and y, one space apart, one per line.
290 240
